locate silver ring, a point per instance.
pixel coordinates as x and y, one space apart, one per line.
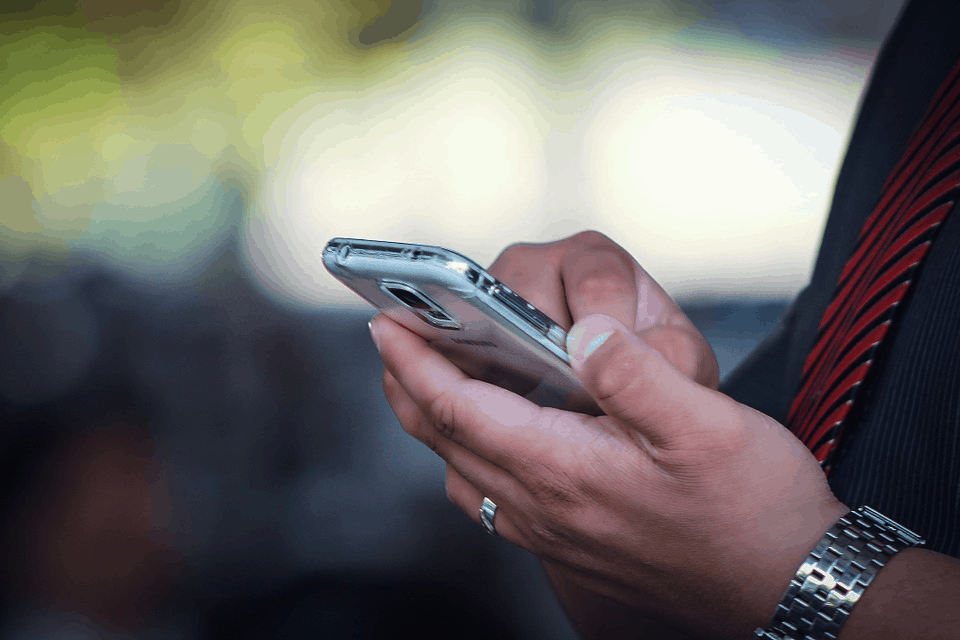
488 511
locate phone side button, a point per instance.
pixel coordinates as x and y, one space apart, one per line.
557 336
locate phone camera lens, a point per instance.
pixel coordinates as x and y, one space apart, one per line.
438 315
410 299
428 310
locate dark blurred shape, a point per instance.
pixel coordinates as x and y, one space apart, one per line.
397 21
352 607
203 461
90 540
781 22
778 22
734 327
100 9
719 316
48 338
544 11
38 7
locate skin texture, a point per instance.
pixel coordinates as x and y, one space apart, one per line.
678 513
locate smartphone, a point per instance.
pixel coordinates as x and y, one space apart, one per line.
463 312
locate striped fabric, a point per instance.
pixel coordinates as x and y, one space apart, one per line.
915 200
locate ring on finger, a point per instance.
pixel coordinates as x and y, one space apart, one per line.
488 511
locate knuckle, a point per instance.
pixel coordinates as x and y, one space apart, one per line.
598 284
389 385
556 492
443 415
413 421
552 497
524 251
677 345
422 431
589 238
451 493
621 382
513 255
518 249
546 536
603 269
559 504
732 440
428 440
553 535
514 264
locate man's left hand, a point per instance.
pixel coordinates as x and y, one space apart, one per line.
680 502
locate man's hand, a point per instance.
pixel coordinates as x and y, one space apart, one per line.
588 273
678 502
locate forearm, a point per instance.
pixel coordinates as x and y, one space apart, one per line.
916 595
596 617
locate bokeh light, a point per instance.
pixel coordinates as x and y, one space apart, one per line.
148 136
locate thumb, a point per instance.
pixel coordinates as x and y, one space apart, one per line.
634 383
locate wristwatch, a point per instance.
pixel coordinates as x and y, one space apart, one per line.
833 577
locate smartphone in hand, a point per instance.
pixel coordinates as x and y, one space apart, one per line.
475 321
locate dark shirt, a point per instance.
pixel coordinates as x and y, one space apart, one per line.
900 452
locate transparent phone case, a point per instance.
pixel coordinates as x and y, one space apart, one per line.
463 312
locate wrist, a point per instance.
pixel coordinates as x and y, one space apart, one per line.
830 581
775 559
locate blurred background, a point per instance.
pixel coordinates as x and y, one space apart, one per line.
193 434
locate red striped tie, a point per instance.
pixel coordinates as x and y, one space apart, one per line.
893 242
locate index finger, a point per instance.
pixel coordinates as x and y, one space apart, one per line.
488 421
598 276
601 277
574 277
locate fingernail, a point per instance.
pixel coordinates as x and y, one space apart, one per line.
576 340
596 342
374 335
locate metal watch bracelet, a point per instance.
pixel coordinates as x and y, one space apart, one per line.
833 577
